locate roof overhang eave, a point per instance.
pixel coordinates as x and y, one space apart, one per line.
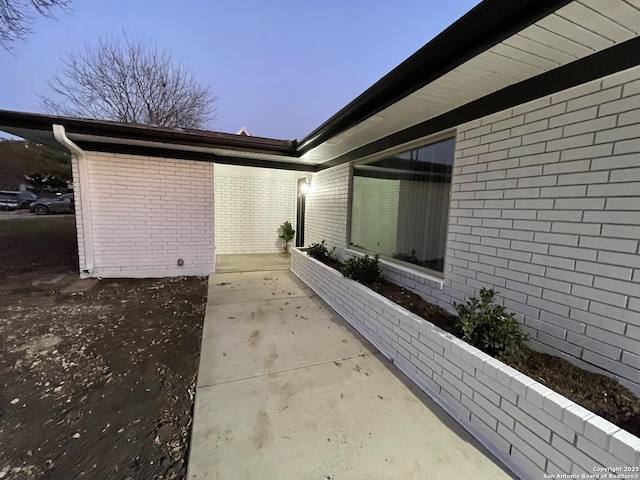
105 128
104 136
210 153
487 24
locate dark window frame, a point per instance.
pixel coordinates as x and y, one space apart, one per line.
382 158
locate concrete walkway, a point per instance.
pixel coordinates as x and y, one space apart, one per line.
252 263
288 390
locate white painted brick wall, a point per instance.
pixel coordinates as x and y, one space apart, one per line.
147 212
545 208
532 429
327 208
576 211
250 205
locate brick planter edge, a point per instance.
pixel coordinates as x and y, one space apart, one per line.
530 428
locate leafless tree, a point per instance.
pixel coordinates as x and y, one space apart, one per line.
16 17
129 81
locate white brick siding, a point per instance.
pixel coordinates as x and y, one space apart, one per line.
532 429
146 213
545 208
250 204
574 225
327 208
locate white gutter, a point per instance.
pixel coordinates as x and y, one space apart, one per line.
85 202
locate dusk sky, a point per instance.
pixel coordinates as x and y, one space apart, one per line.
279 67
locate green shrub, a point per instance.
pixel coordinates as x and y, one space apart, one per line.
320 252
489 327
286 233
362 269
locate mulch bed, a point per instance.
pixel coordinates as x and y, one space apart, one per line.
96 384
600 394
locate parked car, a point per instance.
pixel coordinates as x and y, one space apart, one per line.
16 200
61 204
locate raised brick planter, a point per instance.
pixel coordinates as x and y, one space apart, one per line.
532 429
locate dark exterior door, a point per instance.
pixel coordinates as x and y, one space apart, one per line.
303 187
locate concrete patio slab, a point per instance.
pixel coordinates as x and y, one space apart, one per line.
253 286
246 339
356 419
318 403
252 262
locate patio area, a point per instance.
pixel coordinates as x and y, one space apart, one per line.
252 263
288 390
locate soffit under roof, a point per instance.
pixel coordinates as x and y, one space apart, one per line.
575 31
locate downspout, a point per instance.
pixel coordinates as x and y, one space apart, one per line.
85 202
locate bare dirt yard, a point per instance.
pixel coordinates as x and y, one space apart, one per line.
94 384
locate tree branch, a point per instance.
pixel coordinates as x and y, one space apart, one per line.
129 81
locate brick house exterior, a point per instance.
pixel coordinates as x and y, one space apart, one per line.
542 99
146 213
545 208
250 205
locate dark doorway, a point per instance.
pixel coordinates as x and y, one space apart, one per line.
303 188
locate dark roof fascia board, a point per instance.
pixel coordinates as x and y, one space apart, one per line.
100 128
606 62
191 155
487 24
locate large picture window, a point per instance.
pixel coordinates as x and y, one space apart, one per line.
400 205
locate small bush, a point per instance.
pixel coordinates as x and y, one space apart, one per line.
320 252
286 233
489 327
362 269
